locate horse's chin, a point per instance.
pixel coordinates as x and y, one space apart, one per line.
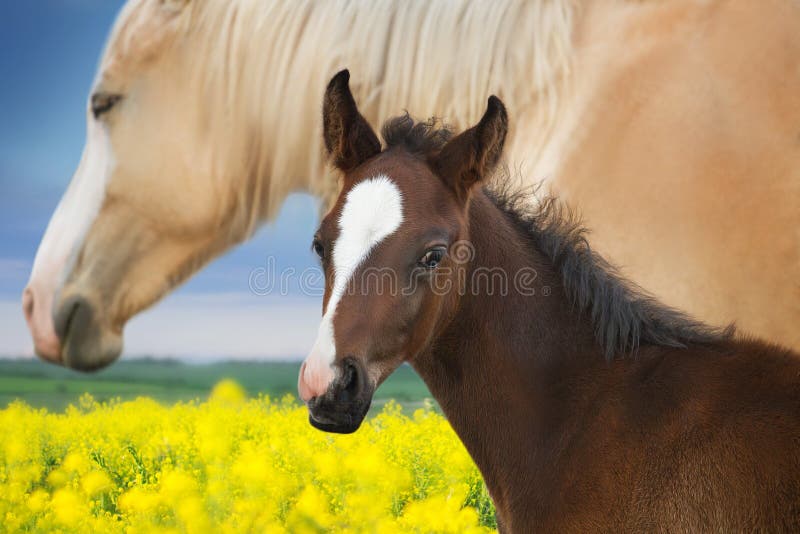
92 355
341 419
335 427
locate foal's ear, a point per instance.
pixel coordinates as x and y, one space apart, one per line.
349 139
471 156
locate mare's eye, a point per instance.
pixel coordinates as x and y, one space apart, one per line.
103 103
318 249
432 258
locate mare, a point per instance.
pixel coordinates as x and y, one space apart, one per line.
672 126
588 405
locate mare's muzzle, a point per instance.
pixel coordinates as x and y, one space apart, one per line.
86 343
346 402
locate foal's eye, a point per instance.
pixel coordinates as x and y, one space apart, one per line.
432 258
318 249
103 103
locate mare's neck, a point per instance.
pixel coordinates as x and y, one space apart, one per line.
493 367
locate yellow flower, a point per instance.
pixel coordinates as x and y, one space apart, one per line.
74 463
68 507
177 485
37 501
228 391
57 478
138 501
95 482
231 465
310 513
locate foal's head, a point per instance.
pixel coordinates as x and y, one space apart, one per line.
386 248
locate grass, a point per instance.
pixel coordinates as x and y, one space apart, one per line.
48 386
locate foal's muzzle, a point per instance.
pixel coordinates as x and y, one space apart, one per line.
343 407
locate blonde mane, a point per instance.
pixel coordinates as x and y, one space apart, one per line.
260 69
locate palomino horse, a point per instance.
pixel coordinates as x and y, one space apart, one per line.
694 432
672 125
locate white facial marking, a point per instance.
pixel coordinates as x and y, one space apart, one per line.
78 207
65 234
372 211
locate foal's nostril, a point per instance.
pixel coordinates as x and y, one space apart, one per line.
345 403
351 382
350 378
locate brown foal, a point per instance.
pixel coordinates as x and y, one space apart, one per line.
587 405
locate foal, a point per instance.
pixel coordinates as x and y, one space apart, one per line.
586 405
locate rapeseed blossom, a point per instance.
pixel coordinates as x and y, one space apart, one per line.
231 465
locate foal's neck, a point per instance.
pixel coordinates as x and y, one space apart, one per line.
522 325
493 367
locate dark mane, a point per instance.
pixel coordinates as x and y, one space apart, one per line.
624 315
422 138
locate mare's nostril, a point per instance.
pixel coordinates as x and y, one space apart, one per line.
74 316
27 304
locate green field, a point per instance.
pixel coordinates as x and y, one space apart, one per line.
48 386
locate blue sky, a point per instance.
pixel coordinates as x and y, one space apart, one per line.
49 50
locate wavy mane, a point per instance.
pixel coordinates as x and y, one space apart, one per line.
623 314
260 69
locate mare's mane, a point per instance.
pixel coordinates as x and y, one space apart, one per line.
256 67
623 314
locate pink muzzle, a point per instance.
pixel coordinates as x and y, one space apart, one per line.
314 379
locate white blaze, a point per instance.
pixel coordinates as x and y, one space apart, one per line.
373 210
67 229
80 204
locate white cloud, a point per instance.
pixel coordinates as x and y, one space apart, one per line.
201 327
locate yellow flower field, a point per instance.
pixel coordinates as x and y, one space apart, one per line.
232 465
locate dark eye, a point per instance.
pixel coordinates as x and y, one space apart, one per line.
318 248
103 103
432 258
